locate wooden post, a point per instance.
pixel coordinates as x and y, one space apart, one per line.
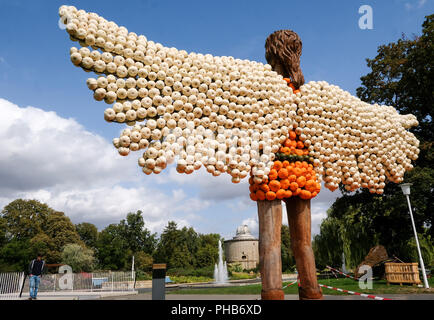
270 223
299 221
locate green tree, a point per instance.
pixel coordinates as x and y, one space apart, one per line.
31 227
61 231
207 253
181 257
185 248
15 255
3 232
88 233
190 238
426 247
79 258
167 243
343 235
288 261
25 218
117 243
143 261
42 243
133 231
112 248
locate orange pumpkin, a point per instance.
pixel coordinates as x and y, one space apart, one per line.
280 194
305 195
283 173
260 195
265 187
301 181
288 194
270 195
273 174
293 186
274 185
277 165
284 184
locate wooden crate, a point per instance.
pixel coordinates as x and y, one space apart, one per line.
402 273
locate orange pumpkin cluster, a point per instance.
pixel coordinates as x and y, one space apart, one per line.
288 178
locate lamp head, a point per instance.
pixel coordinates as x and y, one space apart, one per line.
405 187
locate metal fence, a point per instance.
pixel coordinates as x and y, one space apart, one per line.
10 285
88 282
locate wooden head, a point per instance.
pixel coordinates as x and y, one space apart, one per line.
283 51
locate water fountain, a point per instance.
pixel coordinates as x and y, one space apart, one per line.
220 269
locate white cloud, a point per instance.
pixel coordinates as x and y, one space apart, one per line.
57 161
253 225
419 4
41 150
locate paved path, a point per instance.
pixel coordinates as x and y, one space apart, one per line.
146 296
78 295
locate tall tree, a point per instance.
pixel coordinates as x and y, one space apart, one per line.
136 235
185 248
112 248
288 261
61 231
168 242
3 231
15 255
143 261
88 233
25 218
117 243
31 227
207 253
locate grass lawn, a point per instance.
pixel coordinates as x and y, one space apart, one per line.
379 287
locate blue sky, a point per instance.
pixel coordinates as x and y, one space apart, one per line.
35 71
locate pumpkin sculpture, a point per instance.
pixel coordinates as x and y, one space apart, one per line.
243 118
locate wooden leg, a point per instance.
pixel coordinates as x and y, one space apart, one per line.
270 223
300 231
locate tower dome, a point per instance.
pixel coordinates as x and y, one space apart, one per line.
242 249
243 232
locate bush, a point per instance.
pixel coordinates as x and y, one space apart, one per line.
79 258
235 267
254 270
242 276
199 272
141 275
190 279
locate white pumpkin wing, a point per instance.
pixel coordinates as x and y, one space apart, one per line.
232 115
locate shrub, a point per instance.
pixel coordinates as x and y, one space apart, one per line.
199 272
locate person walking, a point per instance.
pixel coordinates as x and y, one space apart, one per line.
36 268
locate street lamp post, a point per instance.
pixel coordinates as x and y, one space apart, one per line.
406 191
